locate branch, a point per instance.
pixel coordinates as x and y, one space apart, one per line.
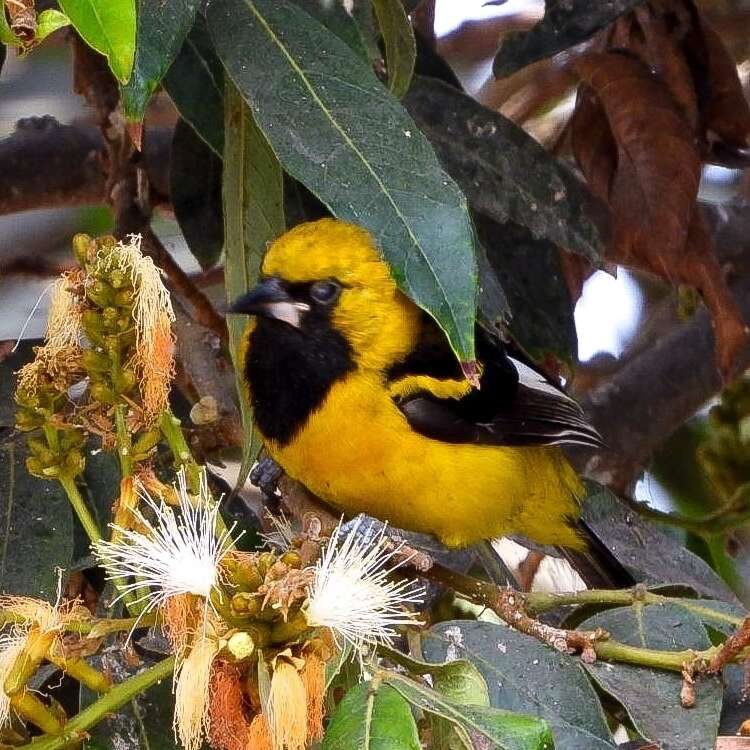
666 383
48 165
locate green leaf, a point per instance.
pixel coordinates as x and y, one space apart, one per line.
195 83
400 47
372 717
652 696
37 529
643 547
253 216
565 24
7 35
335 17
504 172
195 179
109 27
162 28
141 722
335 128
48 21
525 676
530 272
505 729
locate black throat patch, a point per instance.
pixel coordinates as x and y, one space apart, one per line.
291 370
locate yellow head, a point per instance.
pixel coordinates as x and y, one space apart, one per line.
331 270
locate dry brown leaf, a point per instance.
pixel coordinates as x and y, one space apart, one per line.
726 113
592 142
650 182
660 48
699 267
654 187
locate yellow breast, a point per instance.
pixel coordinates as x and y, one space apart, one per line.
358 453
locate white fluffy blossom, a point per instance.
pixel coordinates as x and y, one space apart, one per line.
352 593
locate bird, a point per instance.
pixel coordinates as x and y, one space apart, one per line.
358 396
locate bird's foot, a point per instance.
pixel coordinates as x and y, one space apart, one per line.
367 528
265 475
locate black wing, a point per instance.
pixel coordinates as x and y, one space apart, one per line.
514 406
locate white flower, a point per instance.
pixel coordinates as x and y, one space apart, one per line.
351 592
175 554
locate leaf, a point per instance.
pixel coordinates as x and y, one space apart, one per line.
37 529
372 717
253 200
343 135
525 676
506 730
648 554
400 47
49 21
139 724
726 111
652 696
653 187
335 17
530 272
195 83
504 172
162 28
109 27
565 24
195 174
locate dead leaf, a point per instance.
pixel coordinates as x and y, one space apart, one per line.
638 152
593 145
726 113
653 190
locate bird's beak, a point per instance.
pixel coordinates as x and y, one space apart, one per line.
271 300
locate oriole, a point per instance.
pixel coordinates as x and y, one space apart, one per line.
358 396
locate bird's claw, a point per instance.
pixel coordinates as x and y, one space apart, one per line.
265 475
367 528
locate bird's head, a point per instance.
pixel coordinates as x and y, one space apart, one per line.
329 274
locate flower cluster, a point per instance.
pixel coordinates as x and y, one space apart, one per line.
238 621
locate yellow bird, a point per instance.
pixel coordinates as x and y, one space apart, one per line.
358 396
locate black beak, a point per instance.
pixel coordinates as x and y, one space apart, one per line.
270 299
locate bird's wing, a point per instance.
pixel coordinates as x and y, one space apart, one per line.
514 406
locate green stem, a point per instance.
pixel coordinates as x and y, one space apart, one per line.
171 429
98 626
77 728
716 522
90 526
124 446
674 661
539 601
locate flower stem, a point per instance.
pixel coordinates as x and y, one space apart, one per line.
90 526
77 728
540 601
123 441
171 429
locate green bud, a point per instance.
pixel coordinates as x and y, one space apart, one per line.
103 394
83 248
34 467
147 441
124 381
101 293
74 463
118 278
292 559
97 361
124 298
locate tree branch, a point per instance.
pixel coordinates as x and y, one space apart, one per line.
48 165
666 383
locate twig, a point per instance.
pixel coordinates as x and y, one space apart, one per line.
182 284
77 728
731 648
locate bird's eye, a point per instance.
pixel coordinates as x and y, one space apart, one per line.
325 292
